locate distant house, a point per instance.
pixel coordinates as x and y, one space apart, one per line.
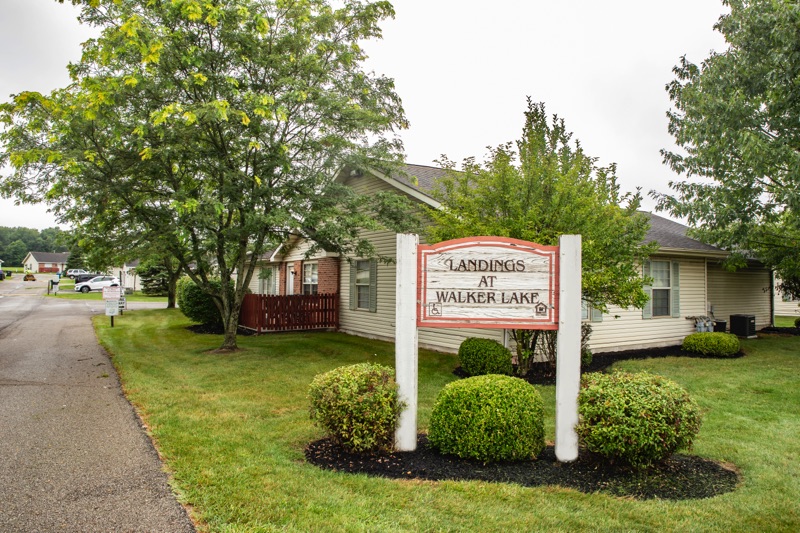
126 273
689 281
41 262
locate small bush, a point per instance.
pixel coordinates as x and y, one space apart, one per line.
484 356
637 419
357 405
488 418
796 320
198 305
712 343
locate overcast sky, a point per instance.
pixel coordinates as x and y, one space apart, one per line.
463 69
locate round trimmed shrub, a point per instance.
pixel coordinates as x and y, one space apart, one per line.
197 304
357 405
796 320
717 344
636 419
484 356
488 418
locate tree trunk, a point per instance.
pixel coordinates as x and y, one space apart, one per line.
230 321
172 289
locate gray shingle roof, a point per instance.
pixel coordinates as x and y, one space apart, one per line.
425 177
48 257
670 235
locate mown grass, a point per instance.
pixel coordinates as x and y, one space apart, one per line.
784 321
66 290
232 428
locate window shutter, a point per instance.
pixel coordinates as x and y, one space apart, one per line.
647 310
353 291
373 285
676 289
597 315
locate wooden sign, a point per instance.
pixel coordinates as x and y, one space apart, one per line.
488 282
112 293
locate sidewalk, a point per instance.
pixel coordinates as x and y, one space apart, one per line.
73 453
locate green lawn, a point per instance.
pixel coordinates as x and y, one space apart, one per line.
785 321
66 290
232 428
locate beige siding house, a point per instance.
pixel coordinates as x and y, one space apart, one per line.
45 262
688 282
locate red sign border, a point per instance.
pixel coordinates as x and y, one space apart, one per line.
425 250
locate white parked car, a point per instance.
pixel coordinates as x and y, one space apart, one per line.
96 284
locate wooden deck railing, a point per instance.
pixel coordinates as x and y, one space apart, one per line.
261 312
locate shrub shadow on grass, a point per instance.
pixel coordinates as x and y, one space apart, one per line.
681 477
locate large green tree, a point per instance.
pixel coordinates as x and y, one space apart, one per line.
736 118
542 188
214 127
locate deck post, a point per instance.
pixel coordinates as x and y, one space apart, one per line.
406 342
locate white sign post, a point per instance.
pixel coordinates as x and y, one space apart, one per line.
490 282
406 343
568 350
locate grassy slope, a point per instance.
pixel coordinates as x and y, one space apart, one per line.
232 429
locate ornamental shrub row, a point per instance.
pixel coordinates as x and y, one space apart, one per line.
633 419
717 344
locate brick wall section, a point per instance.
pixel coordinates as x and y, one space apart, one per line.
298 277
282 279
328 275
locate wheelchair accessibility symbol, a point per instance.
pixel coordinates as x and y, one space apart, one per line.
434 309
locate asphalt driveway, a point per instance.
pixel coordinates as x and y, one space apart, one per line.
73 454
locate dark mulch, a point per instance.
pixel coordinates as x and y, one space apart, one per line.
781 331
544 373
682 477
211 329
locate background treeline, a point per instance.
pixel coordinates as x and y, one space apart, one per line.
15 243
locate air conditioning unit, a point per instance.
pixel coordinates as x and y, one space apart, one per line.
743 325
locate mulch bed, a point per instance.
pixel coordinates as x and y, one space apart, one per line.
681 477
545 374
781 331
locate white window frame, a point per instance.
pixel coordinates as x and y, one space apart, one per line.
310 271
370 266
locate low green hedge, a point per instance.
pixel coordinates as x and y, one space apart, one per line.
357 405
712 343
636 419
488 418
484 356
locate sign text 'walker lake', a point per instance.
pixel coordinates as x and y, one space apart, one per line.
488 282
